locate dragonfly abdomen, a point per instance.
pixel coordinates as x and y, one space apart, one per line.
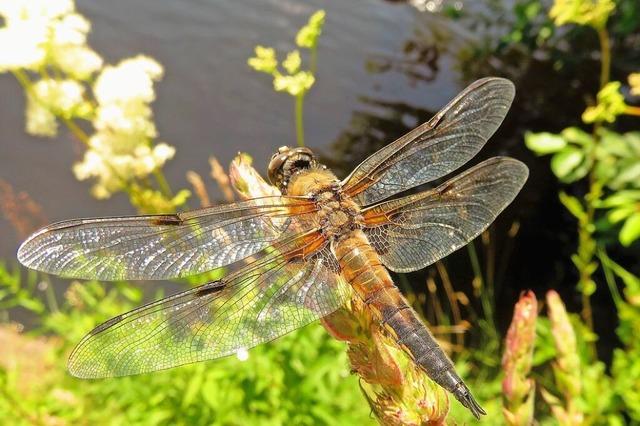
416 340
362 268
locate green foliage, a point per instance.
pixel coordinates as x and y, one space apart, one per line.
609 162
604 397
303 378
592 13
609 106
614 160
623 207
16 291
625 367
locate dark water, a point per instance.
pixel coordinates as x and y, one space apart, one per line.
210 102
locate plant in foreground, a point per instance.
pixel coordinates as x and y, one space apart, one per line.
518 388
397 391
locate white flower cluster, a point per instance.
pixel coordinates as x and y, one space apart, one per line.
39 31
49 98
47 38
121 149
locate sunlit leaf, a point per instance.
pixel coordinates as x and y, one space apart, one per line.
627 175
569 164
614 144
577 136
633 141
620 214
573 205
544 142
630 230
582 12
621 198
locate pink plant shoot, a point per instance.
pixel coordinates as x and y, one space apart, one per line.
566 367
517 387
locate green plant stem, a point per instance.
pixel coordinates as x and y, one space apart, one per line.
50 296
485 294
80 134
609 267
605 63
300 100
314 58
586 243
162 182
23 79
299 118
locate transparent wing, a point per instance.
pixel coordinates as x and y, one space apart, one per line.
437 147
254 305
412 232
164 246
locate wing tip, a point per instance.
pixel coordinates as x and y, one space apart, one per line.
25 251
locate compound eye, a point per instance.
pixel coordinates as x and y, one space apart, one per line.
275 165
288 160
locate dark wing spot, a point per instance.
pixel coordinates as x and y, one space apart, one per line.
166 221
446 187
210 288
102 327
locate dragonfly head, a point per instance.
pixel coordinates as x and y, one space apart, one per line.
287 162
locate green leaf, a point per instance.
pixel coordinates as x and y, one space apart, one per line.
544 142
577 136
569 164
633 141
32 305
630 230
629 175
591 13
573 205
621 198
193 386
614 143
132 294
620 213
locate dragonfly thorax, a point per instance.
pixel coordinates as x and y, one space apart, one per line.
337 213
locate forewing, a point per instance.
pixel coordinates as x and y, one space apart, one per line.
437 147
257 304
164 246
412 232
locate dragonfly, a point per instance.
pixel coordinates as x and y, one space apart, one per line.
301 253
